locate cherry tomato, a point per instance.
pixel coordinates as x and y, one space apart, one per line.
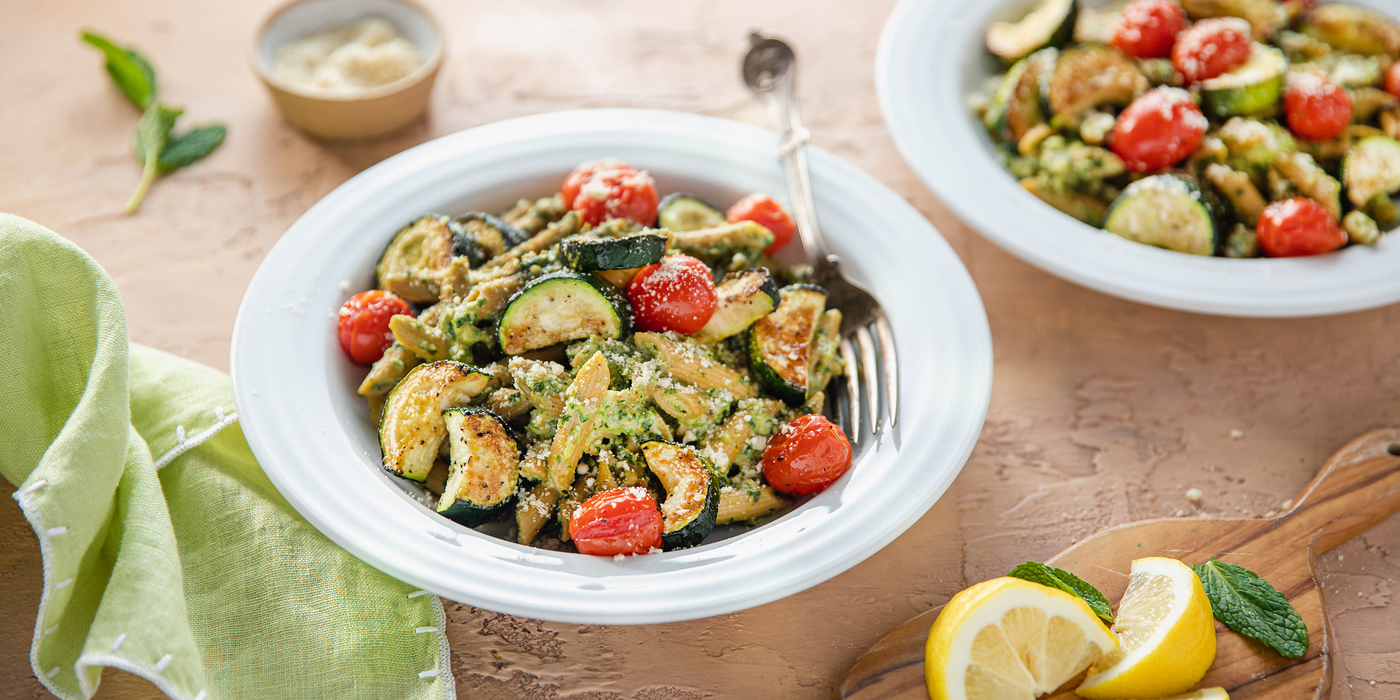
1158 129
1148 28
761 209
806 456
610 189
364 324
1298 226
1212 47
617 521
676 294
1392 79
1315 107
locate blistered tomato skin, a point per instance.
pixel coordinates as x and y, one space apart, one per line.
766 212
1315 107
1212 47
676 294
1297 227
617 521
1148 28
364 324
610 189
1158 130
806 456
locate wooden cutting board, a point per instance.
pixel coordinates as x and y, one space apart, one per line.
1357 488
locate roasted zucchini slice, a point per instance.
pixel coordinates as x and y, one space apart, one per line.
780 344
1354 29
593 254
417 257
1252 88
484 469
484 236
559 307
1370 168
723 242
692 494
412 427
1167 211
1091 75
1018 106
1265 17
1051 24
741 299
686 212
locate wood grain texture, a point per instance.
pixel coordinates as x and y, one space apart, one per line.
1103 411
1355 490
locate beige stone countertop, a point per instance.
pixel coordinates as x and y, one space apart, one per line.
1103 411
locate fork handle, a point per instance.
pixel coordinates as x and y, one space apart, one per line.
792 150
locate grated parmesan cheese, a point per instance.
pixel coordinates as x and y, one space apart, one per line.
348 58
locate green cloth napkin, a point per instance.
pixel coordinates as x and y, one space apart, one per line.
167 552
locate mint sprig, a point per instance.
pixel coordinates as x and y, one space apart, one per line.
1036 572
1247 604
159 149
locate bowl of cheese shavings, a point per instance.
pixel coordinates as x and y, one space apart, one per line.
349 69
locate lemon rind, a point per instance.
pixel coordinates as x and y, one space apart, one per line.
992 608
1181 590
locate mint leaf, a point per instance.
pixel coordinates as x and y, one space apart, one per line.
1247 604
132 74
149 140
191 146
1035 572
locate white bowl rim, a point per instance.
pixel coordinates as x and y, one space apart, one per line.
919 69
947 395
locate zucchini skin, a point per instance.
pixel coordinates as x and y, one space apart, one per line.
467 514
1371 167
475 250
1059 36
451 383
702 522
735 310
767 375
414 280
700 527
465 511
513 336
625 253
678 211
1260 97
1202 199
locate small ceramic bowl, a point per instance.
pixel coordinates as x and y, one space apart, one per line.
366 113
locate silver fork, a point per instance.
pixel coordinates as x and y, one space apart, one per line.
770 71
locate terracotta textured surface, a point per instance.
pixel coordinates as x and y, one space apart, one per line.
1103 411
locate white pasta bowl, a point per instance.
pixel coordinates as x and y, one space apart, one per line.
931 57
296 399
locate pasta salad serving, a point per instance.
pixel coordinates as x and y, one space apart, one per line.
1237 128
614 372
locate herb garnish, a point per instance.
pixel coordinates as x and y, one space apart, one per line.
1036 572
1247 604
156 146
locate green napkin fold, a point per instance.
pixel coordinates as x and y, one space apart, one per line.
167 552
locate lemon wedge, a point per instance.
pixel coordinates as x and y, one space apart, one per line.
1166 631
1009 638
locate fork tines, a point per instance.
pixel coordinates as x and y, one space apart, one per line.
866 367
